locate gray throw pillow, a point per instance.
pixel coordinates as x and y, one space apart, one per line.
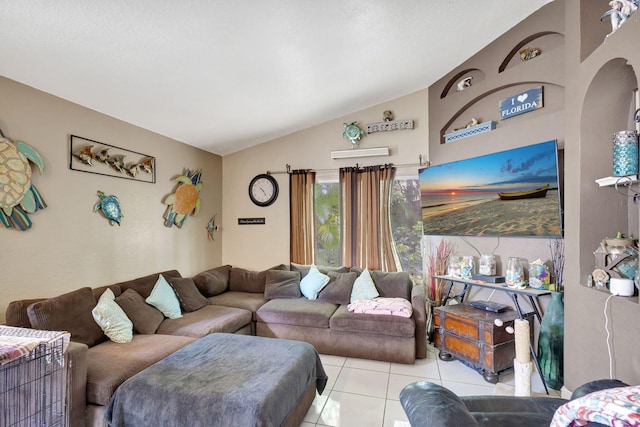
338 290
304 269
68 312
282 284
396 284
145 318
188 294
214 281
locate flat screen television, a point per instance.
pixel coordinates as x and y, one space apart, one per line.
509 193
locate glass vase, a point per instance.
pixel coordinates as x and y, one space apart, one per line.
625 153
551 342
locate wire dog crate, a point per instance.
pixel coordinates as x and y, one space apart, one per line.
32 386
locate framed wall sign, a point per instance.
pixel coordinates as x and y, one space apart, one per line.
521 103
87 155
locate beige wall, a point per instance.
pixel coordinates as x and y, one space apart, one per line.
69 245
261 246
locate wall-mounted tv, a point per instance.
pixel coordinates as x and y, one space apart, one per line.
510 193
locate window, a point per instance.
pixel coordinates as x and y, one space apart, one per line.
327 220
406 224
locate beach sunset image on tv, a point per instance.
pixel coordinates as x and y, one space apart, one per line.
510 193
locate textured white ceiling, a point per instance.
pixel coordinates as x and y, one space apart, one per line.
224 75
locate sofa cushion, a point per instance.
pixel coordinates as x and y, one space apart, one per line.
146 318
381 324
109 364
207 320
213 282
300 312
188 294
242 280
251 301
338 290
97 292
304 269
144 285
69 312
111 318
164 299
313 282
363 287
395 284
282 284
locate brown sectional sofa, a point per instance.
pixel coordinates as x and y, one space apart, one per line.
237 301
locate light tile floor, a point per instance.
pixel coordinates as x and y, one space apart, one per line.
365 393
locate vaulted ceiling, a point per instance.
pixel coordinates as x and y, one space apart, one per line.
227 75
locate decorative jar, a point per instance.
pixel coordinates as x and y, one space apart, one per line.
539 276
453 267
467 267
514 276
625 153
487 265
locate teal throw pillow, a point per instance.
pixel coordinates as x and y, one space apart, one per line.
363 287
164 299
112 319
313 282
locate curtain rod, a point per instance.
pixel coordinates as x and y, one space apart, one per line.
420 164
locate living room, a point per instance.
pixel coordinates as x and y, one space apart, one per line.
70 246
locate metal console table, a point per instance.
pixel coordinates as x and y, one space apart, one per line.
530 293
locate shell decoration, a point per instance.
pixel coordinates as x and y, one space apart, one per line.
185 200
110 208
18 196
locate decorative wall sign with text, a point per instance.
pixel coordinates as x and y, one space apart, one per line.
91 156
251 221
521 103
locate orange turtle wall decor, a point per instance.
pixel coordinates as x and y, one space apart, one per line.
185 200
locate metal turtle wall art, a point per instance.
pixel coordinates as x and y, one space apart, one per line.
110 208
185 200
19 197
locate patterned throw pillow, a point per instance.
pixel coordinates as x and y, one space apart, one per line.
363 287
164 299
313 282
111 319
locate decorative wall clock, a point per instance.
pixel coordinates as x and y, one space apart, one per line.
263 190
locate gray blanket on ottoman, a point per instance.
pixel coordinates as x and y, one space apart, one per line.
220 380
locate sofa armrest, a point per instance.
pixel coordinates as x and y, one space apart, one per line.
76 394
596 385
420 317
429 404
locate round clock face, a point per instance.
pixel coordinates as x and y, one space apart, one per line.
263 190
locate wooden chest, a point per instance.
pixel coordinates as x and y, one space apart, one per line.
472 336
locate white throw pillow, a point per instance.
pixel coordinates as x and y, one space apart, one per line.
112 319
363 287
313 282
164 299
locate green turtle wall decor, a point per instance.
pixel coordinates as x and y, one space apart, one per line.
19 197
110 208
185 200
353 133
